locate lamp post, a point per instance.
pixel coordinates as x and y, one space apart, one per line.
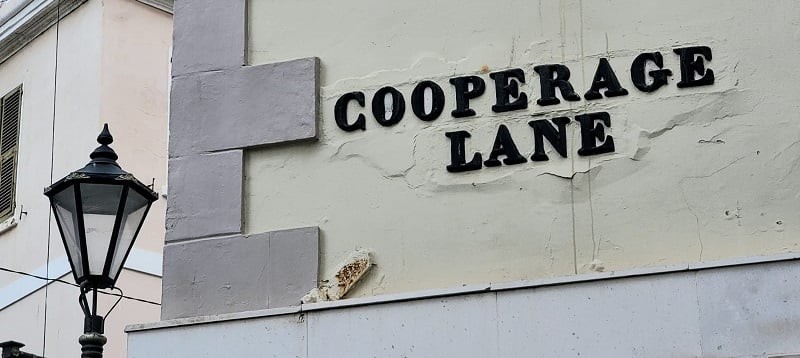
99 210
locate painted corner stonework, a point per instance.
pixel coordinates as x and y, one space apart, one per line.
239 273
205 195
220 109
701 166
244 107
208 35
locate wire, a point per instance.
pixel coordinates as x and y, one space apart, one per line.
118 299
52 155
120 295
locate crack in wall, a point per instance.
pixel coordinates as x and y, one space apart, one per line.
689 206
717 108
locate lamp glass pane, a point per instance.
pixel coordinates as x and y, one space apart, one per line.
135 207
67 217
100 204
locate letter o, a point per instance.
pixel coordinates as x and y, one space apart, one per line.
418 101
379 109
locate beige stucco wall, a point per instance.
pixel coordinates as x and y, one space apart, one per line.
698 174
135 81
113 62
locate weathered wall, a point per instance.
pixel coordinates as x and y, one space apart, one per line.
258 183
698 173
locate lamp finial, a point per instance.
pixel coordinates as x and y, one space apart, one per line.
104 152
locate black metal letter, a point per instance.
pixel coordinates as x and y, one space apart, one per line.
604 77
552 77
639 66
504 145
591 133
340 112
464 94
691 63
558 138
379 106
418 101
505 87
458 161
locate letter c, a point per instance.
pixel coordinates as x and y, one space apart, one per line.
340 112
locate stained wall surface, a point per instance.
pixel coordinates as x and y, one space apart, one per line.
698 173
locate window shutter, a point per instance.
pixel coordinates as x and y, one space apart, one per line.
9 136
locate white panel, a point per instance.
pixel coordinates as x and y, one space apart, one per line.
144 261
651 316
463 326
277 336
750 310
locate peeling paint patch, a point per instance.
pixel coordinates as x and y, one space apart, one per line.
350 271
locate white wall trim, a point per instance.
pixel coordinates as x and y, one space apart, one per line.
25 285
139 260
145 262
14 10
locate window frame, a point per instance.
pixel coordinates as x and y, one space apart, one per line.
11 153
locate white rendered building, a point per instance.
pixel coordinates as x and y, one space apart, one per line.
105 61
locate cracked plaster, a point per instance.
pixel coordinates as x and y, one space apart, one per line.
684 157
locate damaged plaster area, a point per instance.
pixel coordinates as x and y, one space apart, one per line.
697 174
350 271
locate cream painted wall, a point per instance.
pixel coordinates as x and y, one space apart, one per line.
698 174
113 58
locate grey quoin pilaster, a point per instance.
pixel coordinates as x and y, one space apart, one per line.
239 272
243 107
205 195
219 108
208 35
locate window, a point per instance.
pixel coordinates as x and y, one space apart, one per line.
10 106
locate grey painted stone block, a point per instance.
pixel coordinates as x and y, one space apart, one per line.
239 273
213 276
208 35
244 107
750 310
293 265
205 195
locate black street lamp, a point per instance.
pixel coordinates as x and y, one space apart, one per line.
99 210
